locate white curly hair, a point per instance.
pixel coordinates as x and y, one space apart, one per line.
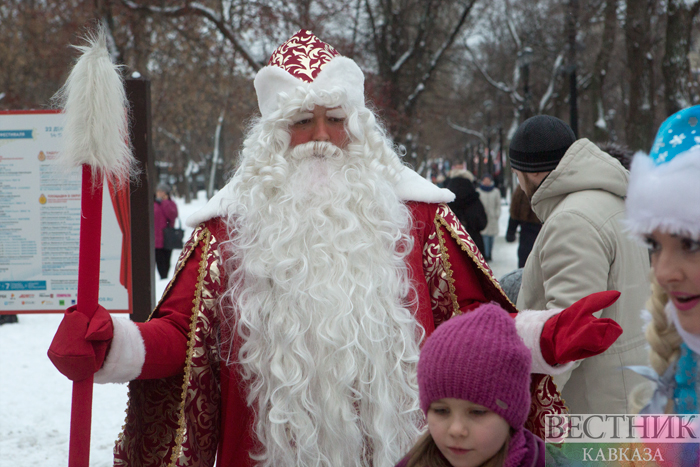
319 299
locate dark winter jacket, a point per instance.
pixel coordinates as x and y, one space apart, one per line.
468 208
521 215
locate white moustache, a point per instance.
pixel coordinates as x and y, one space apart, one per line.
320 149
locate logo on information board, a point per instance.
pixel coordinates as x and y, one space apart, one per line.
42 156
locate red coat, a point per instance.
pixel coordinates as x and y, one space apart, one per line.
178 417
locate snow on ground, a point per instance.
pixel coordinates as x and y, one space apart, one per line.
35 398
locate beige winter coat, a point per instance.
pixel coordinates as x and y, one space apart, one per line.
492 205
583 248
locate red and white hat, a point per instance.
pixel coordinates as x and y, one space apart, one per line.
306 62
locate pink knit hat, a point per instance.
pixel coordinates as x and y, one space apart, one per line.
479 357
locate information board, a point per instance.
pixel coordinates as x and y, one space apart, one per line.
40 222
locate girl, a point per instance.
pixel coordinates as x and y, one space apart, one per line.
474 387
663 205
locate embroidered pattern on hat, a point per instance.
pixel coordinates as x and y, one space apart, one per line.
303 56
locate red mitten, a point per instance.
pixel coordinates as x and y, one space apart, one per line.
575 333
80 345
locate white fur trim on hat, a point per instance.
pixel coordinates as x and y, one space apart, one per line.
126 356
529 324
665 196
411 187
272 82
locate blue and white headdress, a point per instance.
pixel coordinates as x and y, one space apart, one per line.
664 188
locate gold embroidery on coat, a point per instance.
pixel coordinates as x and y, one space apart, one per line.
182 431
436 277
445 257
457 232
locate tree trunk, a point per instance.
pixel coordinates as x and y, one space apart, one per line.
572 28
640 123
600 127
676 67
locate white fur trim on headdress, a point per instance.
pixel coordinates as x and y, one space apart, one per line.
665 196
272 83
411 187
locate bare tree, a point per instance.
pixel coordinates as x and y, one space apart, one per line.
409 41
217 18
426 63
680 15
600 69
640 110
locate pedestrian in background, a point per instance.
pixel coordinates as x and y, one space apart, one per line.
164 215
467 206
522 215
490 197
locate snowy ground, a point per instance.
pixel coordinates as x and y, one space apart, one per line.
35 397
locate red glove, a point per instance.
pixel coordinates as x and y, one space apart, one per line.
80 345
575 333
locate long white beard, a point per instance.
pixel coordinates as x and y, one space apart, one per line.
329 346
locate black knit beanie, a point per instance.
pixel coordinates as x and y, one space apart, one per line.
539 143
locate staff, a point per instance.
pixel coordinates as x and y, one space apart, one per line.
96 138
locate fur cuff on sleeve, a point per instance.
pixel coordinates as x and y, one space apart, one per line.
529 324
126 355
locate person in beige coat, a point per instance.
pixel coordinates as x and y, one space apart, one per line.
490 197
578 192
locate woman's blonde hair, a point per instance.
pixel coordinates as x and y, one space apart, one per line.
661 333
426 454
664 345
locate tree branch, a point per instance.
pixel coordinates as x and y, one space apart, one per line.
467 131
197 9
416 43
511 28
420 87
373 26
550 89
500 85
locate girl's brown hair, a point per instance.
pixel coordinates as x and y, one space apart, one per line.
426 454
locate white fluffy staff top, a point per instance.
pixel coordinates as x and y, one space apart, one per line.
96 129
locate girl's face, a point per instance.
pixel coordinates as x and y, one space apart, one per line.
675 260
467 434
